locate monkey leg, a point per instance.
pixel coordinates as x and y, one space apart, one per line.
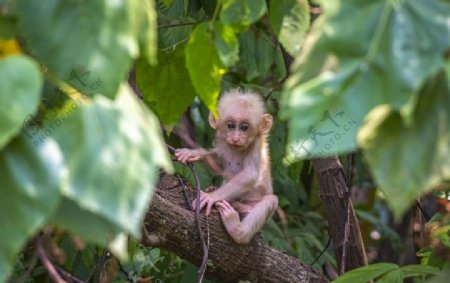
243 231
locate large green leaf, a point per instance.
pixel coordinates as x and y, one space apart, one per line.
20 86
388 50
204 65
165 83
30 176
242 13
258 55
366 273
89 44
407 161
289 20
111 149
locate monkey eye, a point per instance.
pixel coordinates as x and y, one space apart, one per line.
243 127
231 125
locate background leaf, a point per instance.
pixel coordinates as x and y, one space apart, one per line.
165 83
204 65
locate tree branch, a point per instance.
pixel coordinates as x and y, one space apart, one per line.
171 221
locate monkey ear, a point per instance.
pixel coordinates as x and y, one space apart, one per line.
266 124
212 121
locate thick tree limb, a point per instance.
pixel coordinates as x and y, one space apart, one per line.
173 225
332 188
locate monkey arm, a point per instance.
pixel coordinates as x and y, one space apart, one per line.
207 157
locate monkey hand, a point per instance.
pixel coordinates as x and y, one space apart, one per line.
185 155
206 200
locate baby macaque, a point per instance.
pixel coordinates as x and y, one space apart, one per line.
245 199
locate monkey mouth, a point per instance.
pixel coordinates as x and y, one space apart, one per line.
236 146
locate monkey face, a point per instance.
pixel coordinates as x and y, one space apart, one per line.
238 133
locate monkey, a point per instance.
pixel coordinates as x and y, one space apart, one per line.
245 200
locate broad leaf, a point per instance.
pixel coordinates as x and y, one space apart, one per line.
394 276
88 44
204 65
227 44
164 84
414 270
395 48
20 86
258 55
112 150
366 273
407 159
242 13
30 177
289 20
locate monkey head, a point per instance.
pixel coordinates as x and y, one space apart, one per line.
241 119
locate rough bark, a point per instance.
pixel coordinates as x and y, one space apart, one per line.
172 227
332 188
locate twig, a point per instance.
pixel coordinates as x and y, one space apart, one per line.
205 246
185 193
177 25
52 272
322 252
68 276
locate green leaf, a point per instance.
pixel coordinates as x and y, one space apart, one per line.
366 273
394 276
407 161
165 83
30 177
395 48
415 270
88 44
257 53
242 13
320 125
289 20
204 65
112 149
227 44
20 86
148 32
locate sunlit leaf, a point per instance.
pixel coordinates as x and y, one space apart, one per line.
20 86
88 44
204 65
366 273
112 150
227 44
407 161
30 177
165 83
388 50
242 13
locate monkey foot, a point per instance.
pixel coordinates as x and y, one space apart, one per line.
231 221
